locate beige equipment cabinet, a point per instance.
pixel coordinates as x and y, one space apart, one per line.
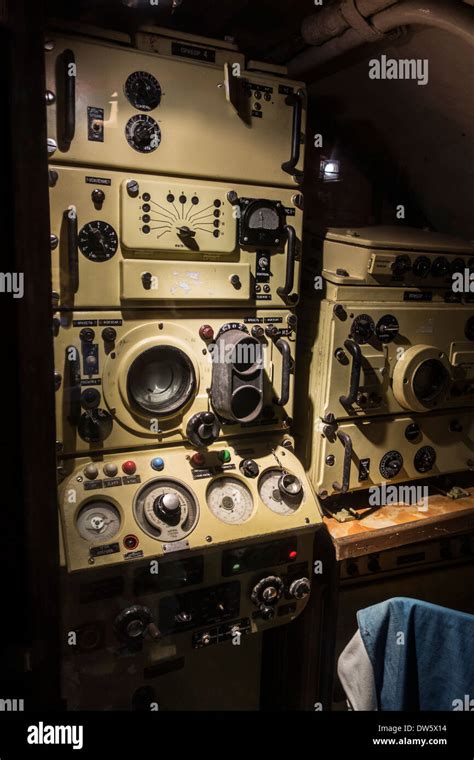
192 109
391 256
133 240
374 352
126 379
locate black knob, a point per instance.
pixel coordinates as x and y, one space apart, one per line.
186 232
87 335
249 468
95 426
373 565
440 267
203 428
90 398
134 623
235 281
267 591
98 197
272 331
300 588
421 266
133 188
352 569
339 311
167 507
257 331
109 334
267 613
52 177
401 265
146 280
412 432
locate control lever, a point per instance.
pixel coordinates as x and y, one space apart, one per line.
285 291
346 468
69 113
70 217
356 353
295 100
284 348
73 383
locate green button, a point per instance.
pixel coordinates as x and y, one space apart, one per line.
224 455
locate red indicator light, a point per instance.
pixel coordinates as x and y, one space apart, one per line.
130 541
293 554
197 460
206 332
129 467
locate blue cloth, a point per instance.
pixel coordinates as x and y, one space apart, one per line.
422 655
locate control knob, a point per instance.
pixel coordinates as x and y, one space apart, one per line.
362 328
168 508
290 486
134 623
267 592
249 468
300 588
203 428
401 265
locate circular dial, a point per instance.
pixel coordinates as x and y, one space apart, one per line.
440 267
280 491
166 509
98 521
98 241
143 133
387 328
95 425
263 218
391 464
230 500
362 328
161 380
421 266
143 90
425 459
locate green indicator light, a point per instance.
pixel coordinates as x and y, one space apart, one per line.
224 455
236 568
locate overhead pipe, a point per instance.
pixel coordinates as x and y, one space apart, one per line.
441 14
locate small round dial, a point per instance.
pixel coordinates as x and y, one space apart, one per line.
362 328
230 500
98 241
387 328
425 459
98 521
391 464
143 90
421 266
143 133
280 491
440 267
166 509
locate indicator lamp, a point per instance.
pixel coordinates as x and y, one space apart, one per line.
293 554
197 460
129 467
236 568
224 456
206 332
157 463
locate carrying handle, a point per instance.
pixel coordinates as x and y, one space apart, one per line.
346 468
70 217
69 114
356 353
284 348
295 100
73 375
285 291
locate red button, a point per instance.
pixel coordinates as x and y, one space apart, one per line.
206 332
197 460
293 554
129 467
130 541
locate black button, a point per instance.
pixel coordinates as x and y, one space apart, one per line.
258 95
217 203
109 334
87 335
146 229
98 196
267 96
216 223
145 218
195 200
216 233
145 207
170 198
217 212
257 106
182 199
146 197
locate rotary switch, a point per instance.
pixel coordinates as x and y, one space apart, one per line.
249 468
391 464
134 623
266 594
300 588
168 508
203 428
401 265
362 328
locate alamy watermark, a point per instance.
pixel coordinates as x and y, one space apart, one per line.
401 68
12 282
385 495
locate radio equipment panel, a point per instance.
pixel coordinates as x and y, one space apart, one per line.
148 504
120 239
123 381
116 106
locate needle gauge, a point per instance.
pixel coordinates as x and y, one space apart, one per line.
230 500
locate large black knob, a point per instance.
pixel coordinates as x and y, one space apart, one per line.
134 623
249 468
168 508
300 588
203 428
267 592
95 426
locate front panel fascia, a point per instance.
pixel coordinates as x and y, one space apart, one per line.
195 130
145 241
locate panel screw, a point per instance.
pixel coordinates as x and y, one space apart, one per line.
49 45
54 241
50 97
232 197
330 459
133 188
208 539
51 145
298 200
53 177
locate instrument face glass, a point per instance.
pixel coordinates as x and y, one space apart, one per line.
261 223
98 241
143 133
143 91
150 518
161 380
98 521
264 218
274 498
230 500
430 381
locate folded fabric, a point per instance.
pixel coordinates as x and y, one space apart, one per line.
422 655
357 676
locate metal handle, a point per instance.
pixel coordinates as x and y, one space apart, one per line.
70 217
73 375
285 291
346 468
356 353
284 348
69 125
295 100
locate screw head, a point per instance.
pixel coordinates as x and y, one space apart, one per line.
133 188
53 241
50 97
51 146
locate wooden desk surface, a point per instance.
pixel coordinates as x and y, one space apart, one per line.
397 525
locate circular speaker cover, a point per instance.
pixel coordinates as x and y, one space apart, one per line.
161 380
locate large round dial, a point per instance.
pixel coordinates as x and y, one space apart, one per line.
425 459
230 500
98 521
387 328
281 491
166 509
98 241
161 380
143 90
362 328
263 218
143 133
391 464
